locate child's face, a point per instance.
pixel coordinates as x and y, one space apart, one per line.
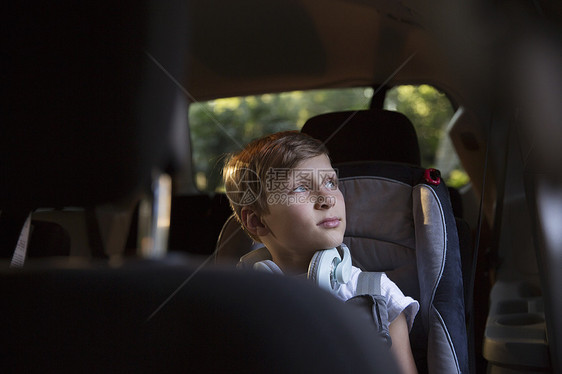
307 210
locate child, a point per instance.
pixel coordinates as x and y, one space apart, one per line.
284 192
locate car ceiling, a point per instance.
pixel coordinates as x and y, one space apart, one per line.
254 46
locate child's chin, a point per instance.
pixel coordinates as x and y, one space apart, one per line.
332 244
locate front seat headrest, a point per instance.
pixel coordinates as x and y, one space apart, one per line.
87 110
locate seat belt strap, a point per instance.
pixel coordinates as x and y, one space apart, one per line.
20 252
369 283
369 299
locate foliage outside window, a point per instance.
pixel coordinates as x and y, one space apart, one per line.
430 111
222 126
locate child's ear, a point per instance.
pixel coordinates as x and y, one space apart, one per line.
253 222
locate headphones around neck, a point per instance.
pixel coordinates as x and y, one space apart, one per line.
329 268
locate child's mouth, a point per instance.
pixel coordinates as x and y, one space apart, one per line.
329 223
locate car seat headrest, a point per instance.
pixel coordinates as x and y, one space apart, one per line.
88 108
377 135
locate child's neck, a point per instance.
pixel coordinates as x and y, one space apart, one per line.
292 265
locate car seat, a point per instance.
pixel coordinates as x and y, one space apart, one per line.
407 207
399 220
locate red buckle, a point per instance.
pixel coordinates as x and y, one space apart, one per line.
432 176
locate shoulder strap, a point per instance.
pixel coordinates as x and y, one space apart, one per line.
369 300
369 283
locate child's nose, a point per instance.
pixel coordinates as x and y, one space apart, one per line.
325 200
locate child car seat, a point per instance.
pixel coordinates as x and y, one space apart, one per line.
400 220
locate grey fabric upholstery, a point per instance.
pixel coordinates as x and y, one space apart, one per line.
380 228
399 224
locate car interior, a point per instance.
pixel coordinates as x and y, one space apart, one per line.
118 245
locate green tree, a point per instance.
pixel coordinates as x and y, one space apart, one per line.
223 126
429 110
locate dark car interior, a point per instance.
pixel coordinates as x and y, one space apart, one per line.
117 241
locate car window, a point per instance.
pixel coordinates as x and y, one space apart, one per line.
430 110
225 125
221 126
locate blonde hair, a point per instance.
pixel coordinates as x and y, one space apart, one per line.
245 172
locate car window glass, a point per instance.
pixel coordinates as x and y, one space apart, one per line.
221 126
225 125
430 110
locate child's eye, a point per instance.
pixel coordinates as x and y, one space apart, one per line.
331 184
301 188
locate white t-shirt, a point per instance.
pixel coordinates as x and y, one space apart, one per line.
396 301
